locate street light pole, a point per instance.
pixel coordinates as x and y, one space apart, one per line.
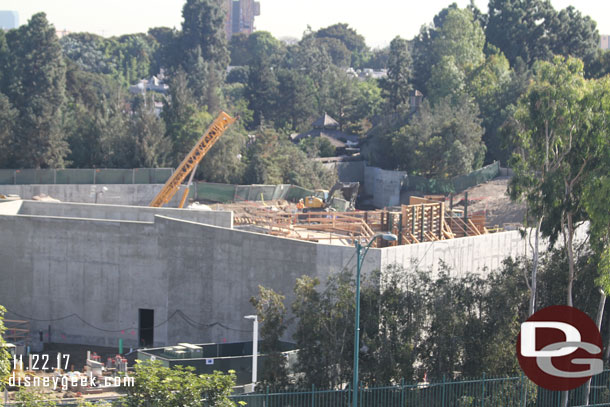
254 319
360 253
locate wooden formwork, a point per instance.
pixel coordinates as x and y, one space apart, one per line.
422 222
17 331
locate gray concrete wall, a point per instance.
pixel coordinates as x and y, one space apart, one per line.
348 171
463 255
121 212
383 186
98 273
85 279
117 194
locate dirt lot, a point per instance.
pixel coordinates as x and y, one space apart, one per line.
492 198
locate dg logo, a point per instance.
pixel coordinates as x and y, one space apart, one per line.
560 348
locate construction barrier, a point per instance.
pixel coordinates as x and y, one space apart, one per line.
453 185
85 176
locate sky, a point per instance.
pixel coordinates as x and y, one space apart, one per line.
377 20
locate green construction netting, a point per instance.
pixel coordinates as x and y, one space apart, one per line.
215 192
86 176
456 184
7 177
75 176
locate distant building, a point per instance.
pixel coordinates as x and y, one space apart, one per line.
604 42
9 19
240 16
328 128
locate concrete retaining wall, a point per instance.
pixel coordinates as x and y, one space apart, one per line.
348 171
197 278
120 212
383 186
116 194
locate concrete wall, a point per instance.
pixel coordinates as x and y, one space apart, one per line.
85 279
468 254
120 212
383 186
348 171
117 194
98 273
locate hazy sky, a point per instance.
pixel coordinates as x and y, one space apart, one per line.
378 20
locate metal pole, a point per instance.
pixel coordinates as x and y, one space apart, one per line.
254 350
357 326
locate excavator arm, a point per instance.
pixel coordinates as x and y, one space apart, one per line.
189 164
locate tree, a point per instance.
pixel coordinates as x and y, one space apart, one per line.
325 329
295 100
162 386
36 78
273 159
560 140
533 30
151 147
202 50
184 121
271 312
440 141
5 357
8 115
352 41
261 92
396 86
32 398
460 36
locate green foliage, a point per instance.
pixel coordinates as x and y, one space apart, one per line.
396 86
325 329
261 91
317 147
295 100
415 321
533 30
562 143
440 141
35 78
201 51
164 387
32 398
151 147
271 313
350 40
5 361
272 159
8 115
127 58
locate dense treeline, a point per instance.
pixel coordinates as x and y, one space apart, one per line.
65 102
414 323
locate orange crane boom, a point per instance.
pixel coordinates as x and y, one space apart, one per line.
189 164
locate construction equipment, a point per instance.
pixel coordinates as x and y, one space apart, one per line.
190 163
322 199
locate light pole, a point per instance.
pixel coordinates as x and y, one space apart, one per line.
361 251
254 319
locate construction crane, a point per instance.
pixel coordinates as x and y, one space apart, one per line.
190 163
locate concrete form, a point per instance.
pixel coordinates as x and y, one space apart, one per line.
81 272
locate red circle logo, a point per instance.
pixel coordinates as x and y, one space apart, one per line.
559 348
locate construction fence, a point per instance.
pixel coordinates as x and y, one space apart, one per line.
227 193
85 176
517 391
453 185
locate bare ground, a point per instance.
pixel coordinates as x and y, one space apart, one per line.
492 198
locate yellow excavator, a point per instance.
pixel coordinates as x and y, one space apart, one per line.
322 199
190 163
